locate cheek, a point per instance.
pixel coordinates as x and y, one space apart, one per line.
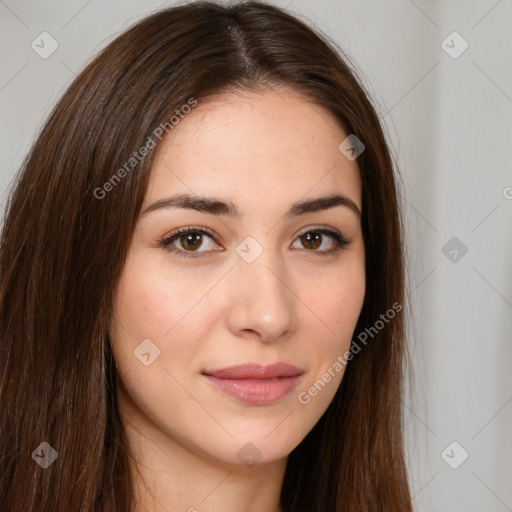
149 319
150 303
145 306
337 303
171 314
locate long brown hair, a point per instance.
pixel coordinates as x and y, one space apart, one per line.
63 247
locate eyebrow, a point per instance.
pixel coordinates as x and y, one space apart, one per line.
215 206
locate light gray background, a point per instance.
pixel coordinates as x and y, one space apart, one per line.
449 121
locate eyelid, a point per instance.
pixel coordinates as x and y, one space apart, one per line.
189 229
318 228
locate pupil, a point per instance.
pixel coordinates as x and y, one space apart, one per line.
313 239
189 240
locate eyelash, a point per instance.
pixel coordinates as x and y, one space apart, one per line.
339 241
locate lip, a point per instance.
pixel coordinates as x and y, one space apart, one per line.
254 383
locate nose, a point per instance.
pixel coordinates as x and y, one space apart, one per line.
261 302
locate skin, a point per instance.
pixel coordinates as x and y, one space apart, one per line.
262 151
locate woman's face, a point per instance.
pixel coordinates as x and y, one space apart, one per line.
259 281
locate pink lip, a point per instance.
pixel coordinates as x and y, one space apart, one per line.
254 383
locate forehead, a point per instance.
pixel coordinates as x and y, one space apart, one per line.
275 145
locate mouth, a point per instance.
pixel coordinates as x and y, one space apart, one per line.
256 384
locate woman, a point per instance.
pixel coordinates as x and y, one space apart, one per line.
202 281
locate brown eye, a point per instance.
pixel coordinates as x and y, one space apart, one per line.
311 240
191 241
321 241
